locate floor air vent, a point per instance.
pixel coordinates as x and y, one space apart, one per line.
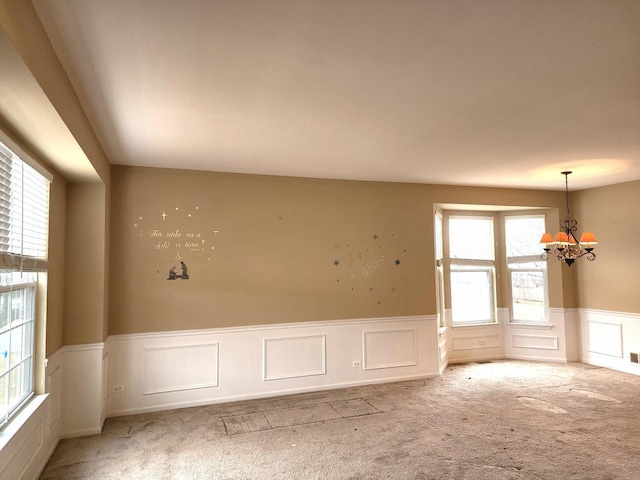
633 357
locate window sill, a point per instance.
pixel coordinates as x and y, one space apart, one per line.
539 326
14 426
472 325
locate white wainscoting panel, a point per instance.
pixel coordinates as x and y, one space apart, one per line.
475 342
292 357
82 367
390 348
105 376
443 347
25 446
265 360
53 387
184 367
605 338
608 338
540 342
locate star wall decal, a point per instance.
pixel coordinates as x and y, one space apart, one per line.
336 263
376 236
397 262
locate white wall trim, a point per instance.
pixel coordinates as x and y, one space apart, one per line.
269 360
475 342
292 391
611 346
609 314
299 354
82 348
155 368
259 328
608 337
534 341
377 354
82 389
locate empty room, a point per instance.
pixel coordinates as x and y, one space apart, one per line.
280 239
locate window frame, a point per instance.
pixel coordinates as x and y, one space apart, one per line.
526 260
27 354
471 265
23 259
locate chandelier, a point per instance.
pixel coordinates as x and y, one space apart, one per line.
564 245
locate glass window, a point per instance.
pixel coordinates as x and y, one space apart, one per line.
472 270
24 221
527 271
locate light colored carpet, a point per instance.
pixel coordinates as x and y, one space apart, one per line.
499 420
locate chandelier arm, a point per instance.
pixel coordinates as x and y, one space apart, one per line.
568 249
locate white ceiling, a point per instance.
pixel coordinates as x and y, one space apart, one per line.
491 92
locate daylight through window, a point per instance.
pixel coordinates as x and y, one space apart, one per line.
527 271
472 272
24 213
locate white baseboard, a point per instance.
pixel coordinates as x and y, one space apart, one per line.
266 395
533 358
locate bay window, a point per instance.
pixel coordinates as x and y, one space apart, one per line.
24 212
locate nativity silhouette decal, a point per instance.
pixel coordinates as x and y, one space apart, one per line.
174 276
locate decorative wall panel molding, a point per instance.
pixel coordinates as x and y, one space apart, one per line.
605 338
389 348
291 357
23 457
541 342
184 367
476 342
53 384
81 402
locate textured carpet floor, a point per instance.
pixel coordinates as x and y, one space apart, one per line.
499 420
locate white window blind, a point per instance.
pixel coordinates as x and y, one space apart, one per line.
471 238
24 221
24 214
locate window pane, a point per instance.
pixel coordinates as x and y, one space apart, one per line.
471 296
4 352
27 339
527 292
4 309
4 396
17 385
471 238
523 235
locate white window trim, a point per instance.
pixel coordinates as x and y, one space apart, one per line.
521 260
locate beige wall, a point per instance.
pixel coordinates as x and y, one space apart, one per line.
55 274
86 212
274 242
84 289
612 281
